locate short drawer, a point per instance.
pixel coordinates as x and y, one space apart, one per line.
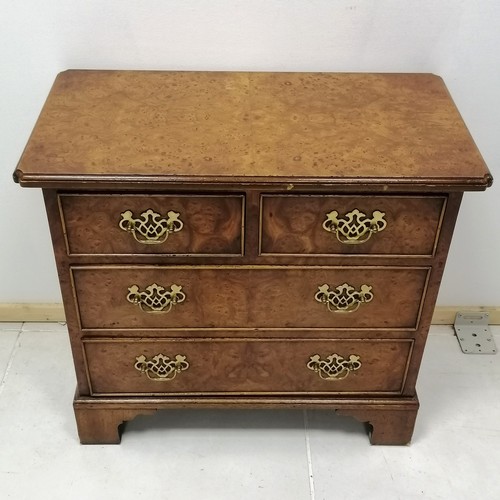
153 224
256 366
169 297
353 225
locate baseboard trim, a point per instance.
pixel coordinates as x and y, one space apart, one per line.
34 312
445 315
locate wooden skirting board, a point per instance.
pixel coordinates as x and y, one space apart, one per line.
443 315
33 312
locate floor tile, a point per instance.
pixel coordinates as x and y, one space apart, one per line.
8 340
9 326
248 454
225 454
177 454
44 326
456 445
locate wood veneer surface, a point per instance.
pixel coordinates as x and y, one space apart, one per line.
294 224
235 366
211 224
232 126
248 297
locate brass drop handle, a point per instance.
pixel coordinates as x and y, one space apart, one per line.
335 367
344 298
156 298
151 228
354 227
161 368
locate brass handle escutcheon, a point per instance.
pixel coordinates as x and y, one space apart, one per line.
355 227
344 298
161 368
335 367
151 228
156 298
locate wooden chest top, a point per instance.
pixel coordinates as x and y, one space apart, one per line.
220 127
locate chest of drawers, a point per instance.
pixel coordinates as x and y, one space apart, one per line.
249 240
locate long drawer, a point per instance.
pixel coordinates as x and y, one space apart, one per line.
169 297
351 225
256 366
190 224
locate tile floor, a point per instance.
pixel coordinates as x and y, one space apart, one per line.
268 455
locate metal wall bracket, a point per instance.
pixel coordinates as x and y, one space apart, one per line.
473 333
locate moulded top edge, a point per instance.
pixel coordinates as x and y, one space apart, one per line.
156 182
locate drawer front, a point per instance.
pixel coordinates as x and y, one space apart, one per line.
225 366
354 225
248 297
153 224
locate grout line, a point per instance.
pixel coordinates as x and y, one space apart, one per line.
16 347
309 459
51 326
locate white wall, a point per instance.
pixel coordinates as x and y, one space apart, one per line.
457 39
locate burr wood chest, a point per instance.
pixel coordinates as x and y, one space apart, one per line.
249 240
